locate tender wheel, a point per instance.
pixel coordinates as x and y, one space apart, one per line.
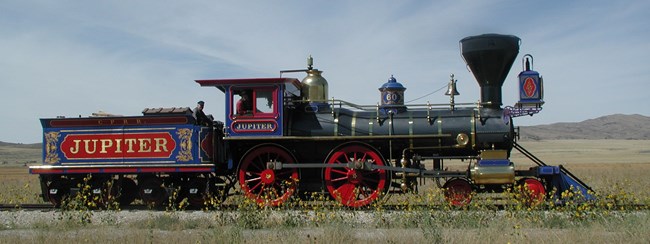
57 190
197 192
458 192
151 191
202 192
219 190
267 186
355 187
103 191
532 191
128 191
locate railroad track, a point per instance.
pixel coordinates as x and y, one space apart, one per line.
231 207
28 206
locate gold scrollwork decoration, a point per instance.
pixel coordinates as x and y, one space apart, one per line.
185 153
51 141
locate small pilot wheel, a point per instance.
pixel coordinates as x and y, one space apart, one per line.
355 187
458 192
532 191
266 186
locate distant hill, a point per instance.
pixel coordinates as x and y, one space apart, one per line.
20 145
12 154
617 126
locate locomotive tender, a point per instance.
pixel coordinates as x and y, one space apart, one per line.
293 139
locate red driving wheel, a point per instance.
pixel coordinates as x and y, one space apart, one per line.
355 187
267 186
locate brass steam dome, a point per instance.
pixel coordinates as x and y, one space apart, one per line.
314 86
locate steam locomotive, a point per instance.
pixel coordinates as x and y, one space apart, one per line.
294 140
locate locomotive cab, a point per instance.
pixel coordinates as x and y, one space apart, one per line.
254 107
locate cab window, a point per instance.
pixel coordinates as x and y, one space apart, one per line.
253 102
264 101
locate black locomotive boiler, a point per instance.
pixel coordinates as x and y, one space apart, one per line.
283 137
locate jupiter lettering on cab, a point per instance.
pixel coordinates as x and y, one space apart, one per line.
254 126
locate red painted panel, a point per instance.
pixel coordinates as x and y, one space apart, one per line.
78 171
120 170
46 171
206 145
127 145
529 87
153 170
195 169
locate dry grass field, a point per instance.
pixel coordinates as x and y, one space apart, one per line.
603 164
572 152
608 166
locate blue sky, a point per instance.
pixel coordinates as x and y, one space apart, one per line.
74 58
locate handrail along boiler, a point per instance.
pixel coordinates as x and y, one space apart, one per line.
293 140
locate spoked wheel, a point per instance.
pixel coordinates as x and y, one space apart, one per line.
458 192
532 190
267 186
128 191
355 187
57 190
151 191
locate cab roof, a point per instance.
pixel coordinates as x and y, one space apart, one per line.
222 84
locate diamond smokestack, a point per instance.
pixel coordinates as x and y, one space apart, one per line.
490 57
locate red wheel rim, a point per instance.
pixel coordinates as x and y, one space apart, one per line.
266 186
533 191
458 192
355 187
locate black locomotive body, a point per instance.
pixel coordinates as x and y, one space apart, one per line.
283 137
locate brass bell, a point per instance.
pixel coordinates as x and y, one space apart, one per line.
451 87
